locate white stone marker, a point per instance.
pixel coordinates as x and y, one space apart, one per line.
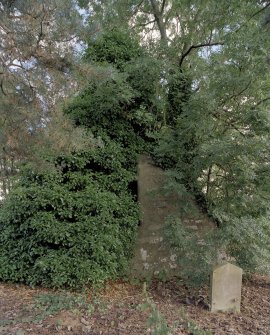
226 288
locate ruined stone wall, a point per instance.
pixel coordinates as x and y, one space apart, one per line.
152 256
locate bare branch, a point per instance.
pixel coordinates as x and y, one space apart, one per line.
252 16
259 11
40 35
262 101
187 52
144 24
163 6
208 179
2 88
16 65
138 7
235 95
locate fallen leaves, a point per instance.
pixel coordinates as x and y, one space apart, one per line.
116 311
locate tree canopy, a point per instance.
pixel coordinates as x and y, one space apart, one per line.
186 81
39 68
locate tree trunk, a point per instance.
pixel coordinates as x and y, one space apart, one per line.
160 23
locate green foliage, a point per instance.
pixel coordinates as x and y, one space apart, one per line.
120 102
164 153
103 100
205 85
219 145
71 226
76 224
191 326
129 88
194 255
144 75
104 108
247 241
114 47
102 105
157 322
179 91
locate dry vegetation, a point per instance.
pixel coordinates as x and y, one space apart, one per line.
118 309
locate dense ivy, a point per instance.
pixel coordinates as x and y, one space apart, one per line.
115 47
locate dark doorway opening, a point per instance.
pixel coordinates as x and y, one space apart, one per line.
134 190
133 187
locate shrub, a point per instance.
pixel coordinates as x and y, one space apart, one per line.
71 226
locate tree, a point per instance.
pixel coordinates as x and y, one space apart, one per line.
216 131
191 75
37 63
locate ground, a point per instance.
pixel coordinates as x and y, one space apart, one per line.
122 308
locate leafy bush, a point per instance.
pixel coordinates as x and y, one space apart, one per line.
123 96
71 226
196 330
76 224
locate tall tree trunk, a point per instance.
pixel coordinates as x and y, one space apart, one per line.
158 14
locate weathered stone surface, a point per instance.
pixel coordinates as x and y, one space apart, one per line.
226 288
152 255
